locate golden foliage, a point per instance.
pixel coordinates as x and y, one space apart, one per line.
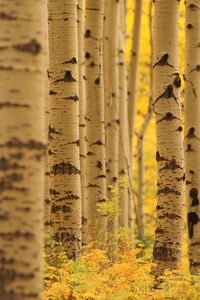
95 277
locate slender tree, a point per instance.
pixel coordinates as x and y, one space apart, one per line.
140 145
123 121
133 69
82 125
192 129
111 81
166 83
47 199
64 140
95 132
22 147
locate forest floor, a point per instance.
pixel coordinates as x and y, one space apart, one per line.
127 276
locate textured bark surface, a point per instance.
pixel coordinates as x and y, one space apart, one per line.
133 69
47 197
123 120
82 121
141 136
95 132
192 129
111 81
64 140
169 223
22 147
141 172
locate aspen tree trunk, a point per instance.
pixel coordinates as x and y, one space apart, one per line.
123 120
64 125
133 69
22 147
141 171
192 130
166 83
82 125
95 132
111 81
141 136
47 199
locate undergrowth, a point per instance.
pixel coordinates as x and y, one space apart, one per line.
95 276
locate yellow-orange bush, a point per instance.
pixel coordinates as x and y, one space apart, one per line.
94 276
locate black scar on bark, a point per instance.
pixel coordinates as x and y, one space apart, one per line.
5 16
92 64
97 81
189 148
53 130
52 92
53 192
87 33
50 152
168 93
193 89
164 253
197 68
166 190
180 128
163 61
192 219
181 178
17 105
159 157
169 216
101 176
89 153
77 142
160 231
159 207
32 47
93 185
67 78
168 117
99 164
65 168
87 55
191 134
189 26
194 195
177 80
171 165
97 143
193 6
101 200
74 98
69 197
114 179
30 144
5 165
194 263
73 60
